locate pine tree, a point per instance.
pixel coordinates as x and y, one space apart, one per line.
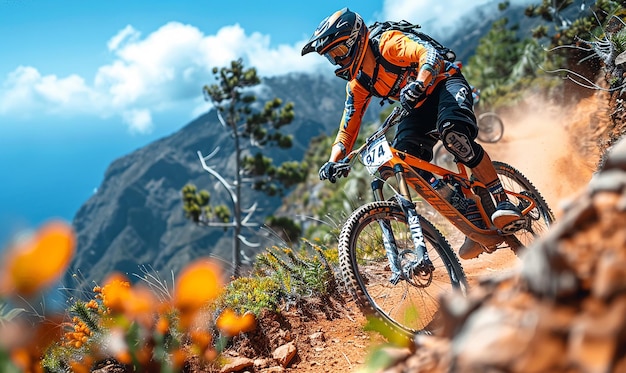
251 129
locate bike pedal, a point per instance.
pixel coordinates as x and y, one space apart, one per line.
513 227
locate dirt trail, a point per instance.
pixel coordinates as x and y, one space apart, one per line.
543 141
548 144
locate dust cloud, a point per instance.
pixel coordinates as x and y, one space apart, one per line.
550 145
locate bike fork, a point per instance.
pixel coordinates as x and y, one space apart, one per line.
422 263
389 241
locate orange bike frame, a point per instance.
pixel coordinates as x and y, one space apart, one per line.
408 176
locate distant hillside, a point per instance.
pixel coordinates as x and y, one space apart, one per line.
463 40
136 216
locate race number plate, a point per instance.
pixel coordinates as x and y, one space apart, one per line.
376 154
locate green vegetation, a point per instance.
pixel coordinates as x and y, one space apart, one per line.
282 278
508 63
285 228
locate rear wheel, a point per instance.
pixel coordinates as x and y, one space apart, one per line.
412 304
539 219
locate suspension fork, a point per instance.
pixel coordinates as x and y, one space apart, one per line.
423 262
389 241
404 198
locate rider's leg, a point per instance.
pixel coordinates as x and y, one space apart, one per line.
506 213
458 141
457 138
458 130
457 127
416 139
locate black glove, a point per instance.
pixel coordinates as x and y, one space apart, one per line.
332 170
411 94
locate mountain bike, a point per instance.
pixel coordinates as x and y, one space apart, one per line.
490 130
394 261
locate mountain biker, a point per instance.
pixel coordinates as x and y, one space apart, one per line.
432 90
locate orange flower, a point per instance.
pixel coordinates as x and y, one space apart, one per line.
79 367
124 357
231 324
163 325
142 306
39 260
201 338
116 293
179 356
92 305
198 284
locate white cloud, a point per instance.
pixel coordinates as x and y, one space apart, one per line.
440 13
139 120
127 34
26 92
167 68
164 70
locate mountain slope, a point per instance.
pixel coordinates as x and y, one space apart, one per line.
136 216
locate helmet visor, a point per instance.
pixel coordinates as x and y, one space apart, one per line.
337 54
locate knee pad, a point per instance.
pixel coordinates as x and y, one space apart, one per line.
458 139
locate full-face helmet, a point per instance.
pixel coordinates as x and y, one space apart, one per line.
343 39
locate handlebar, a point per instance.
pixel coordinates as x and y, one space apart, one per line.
342 168
396 115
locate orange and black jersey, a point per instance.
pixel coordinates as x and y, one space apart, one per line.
415 58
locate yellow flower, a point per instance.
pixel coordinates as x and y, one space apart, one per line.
39 260
231 324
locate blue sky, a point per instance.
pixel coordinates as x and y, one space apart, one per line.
83 83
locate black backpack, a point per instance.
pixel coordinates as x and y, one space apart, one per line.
376 30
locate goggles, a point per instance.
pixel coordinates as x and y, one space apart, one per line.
337 54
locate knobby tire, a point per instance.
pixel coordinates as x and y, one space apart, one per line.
409 307
538 220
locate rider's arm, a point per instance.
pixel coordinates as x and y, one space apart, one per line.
357 100
404 50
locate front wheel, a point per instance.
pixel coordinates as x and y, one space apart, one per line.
411 305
